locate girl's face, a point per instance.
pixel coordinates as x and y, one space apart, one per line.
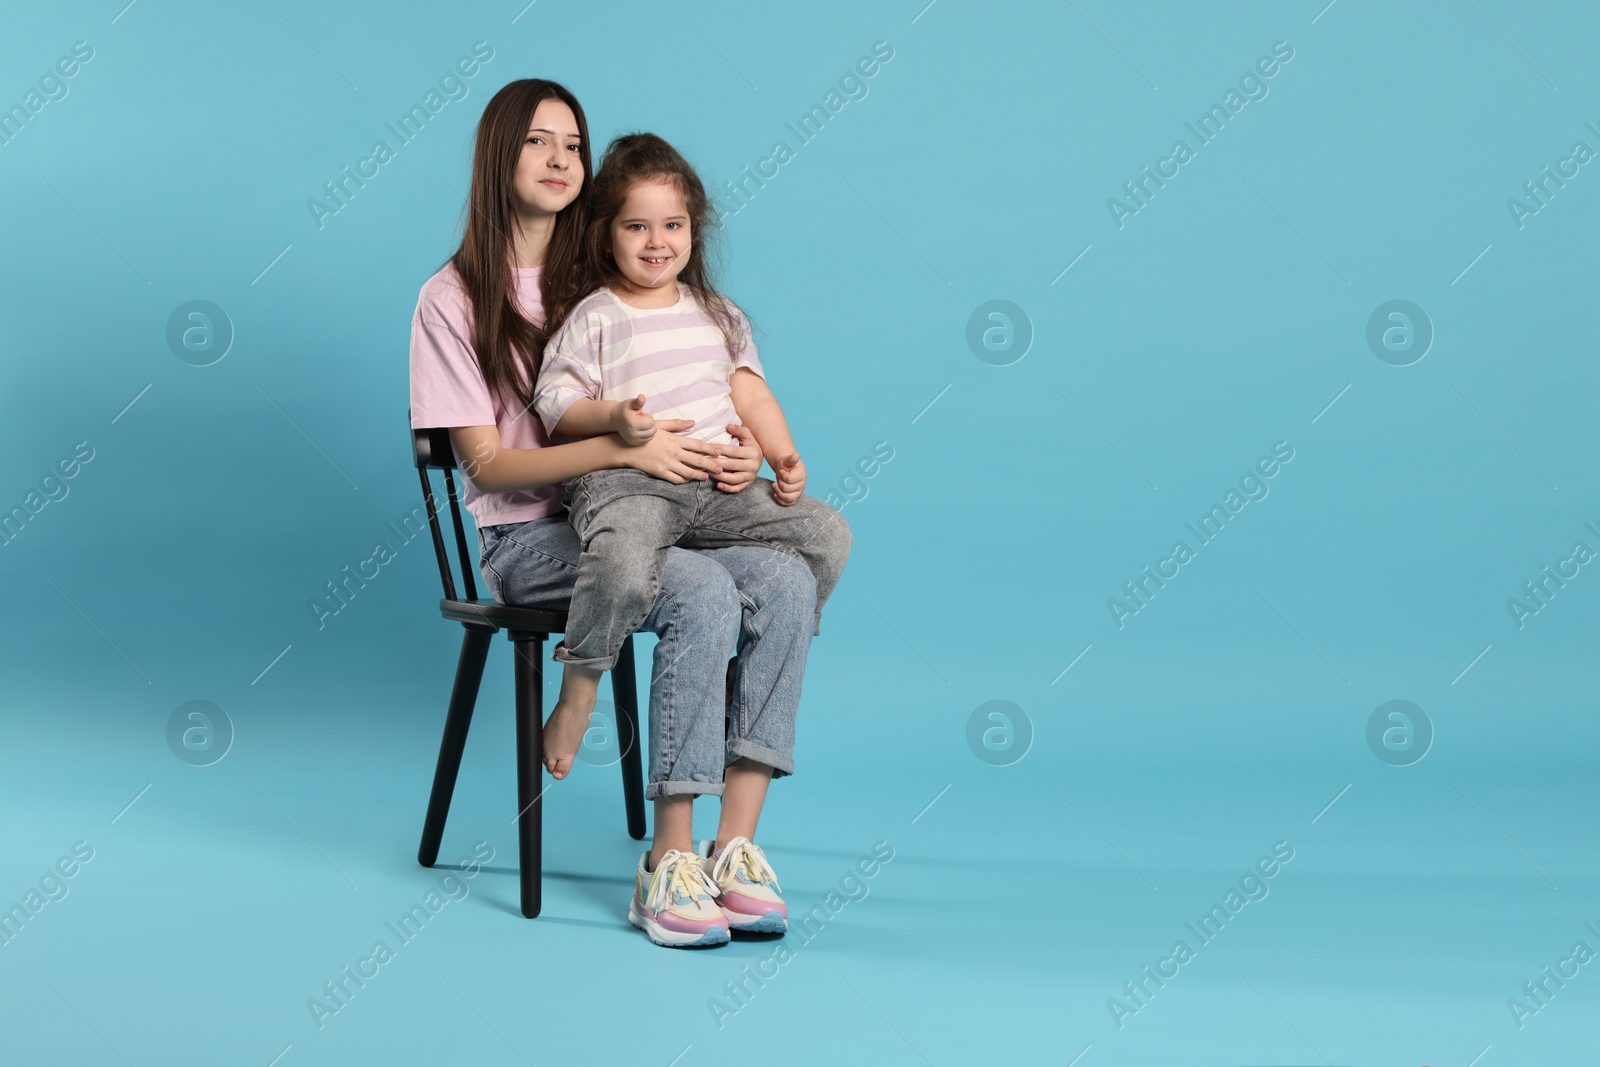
550 169
650 238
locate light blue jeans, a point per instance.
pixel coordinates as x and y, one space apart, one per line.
712 602
626 521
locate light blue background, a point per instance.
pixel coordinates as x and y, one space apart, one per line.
1222 318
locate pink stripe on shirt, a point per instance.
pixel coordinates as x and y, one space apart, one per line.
676 356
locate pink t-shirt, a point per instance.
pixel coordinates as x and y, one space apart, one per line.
447 388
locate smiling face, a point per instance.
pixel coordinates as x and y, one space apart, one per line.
550 169
650 240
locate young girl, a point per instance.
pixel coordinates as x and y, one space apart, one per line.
655 334
474 359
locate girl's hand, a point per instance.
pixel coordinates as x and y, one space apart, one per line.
670 456
740 463
631 423
791 480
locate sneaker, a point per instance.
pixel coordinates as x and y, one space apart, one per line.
676 903
747 887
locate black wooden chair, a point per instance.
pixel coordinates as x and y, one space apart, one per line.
527 628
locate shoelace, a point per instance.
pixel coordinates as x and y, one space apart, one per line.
742 853
678 871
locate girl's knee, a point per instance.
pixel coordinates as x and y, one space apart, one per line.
834 539
627 581
699 587
789 586
843 538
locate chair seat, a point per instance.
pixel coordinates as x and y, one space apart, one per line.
504 616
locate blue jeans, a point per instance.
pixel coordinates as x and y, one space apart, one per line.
712 602
627 520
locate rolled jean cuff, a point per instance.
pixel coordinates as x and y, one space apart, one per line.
782 766
657 790
601 663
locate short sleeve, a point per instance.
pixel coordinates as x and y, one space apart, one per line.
447 385
747 355
570 371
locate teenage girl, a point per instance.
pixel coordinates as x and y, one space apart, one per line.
473 367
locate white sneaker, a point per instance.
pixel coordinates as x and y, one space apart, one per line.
747 887
676 903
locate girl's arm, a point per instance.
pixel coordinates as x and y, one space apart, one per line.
496 469
627 419
759 410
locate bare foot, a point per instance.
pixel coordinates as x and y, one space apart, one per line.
564 729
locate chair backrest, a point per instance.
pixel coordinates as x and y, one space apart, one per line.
431 450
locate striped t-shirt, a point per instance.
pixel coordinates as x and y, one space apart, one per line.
675 356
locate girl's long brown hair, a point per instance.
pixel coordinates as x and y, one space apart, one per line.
504 339
628 160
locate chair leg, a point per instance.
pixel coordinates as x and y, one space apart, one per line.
625 695
463 697
530 765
